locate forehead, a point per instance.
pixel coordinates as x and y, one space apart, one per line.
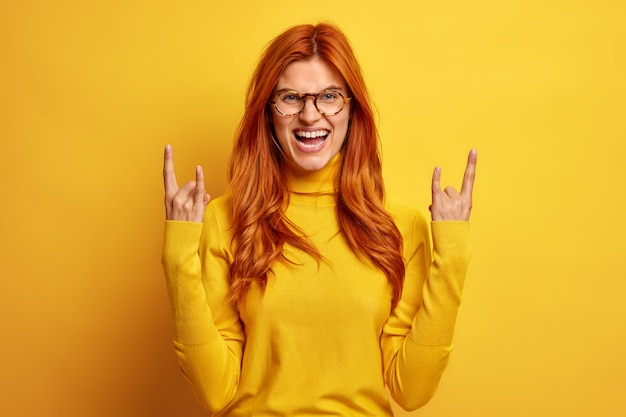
310 76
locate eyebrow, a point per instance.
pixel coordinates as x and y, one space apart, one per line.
330 87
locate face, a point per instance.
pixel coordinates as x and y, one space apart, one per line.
309 139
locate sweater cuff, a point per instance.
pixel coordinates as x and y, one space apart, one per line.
181 237
451 238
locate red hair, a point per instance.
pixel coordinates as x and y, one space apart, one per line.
258 186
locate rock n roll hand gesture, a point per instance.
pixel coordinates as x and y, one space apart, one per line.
448 204
188 202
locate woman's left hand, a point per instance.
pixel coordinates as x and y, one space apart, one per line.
448 204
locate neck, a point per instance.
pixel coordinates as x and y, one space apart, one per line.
318 181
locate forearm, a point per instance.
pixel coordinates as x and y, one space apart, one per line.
436 318
429 307
209 355
193 321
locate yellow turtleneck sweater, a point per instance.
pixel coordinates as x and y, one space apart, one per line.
321 340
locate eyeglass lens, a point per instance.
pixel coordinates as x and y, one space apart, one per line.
327 102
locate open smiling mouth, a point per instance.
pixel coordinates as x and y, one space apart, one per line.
311 139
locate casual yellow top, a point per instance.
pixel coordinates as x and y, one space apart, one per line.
321 340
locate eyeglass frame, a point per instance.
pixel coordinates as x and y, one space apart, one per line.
303 97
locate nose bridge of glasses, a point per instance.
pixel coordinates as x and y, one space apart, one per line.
304 99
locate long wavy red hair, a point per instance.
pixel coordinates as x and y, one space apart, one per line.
258 186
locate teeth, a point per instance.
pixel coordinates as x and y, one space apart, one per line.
308 135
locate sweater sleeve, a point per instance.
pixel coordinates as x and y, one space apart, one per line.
208 335
417 338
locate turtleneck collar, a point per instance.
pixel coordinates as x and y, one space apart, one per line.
320 182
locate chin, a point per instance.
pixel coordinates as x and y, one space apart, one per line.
311 165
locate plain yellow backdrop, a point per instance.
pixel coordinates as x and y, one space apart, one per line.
91 92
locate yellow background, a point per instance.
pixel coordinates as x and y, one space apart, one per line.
91 91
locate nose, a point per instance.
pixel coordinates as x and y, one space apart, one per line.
309 113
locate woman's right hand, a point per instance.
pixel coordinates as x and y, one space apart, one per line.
188 202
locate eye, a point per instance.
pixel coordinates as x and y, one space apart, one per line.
290 97
328 96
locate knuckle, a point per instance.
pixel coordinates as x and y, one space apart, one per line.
179 201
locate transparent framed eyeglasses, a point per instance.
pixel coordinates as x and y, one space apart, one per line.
290 102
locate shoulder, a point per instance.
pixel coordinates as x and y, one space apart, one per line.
411 223
218 213
406 216
220 204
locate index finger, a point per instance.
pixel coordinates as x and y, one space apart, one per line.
470 174
169 177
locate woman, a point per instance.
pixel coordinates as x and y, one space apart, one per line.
304 290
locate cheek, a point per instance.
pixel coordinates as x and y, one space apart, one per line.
276 121
343 128
282 130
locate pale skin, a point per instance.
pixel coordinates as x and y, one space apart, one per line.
188 203
448 204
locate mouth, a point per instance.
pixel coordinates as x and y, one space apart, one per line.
311 140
